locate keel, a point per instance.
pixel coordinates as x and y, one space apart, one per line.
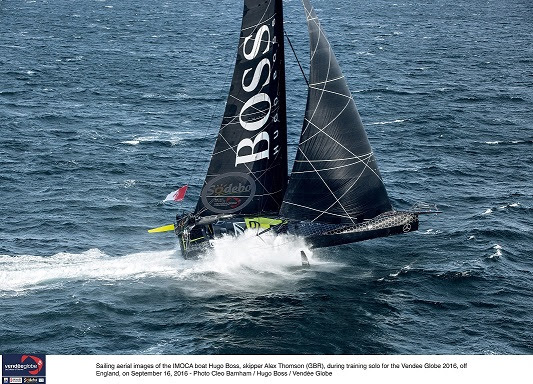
305 260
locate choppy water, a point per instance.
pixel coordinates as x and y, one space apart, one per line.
107 106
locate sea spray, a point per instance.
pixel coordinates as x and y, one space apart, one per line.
248 262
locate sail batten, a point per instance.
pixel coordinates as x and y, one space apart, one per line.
335 178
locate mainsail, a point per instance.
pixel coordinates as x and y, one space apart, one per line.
335 178
248 169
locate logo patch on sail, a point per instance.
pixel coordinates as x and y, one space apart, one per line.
229 193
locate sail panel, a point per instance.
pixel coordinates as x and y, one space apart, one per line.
248 169
335 178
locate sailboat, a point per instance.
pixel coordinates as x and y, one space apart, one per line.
335 193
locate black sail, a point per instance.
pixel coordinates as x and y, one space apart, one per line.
248 169
335 178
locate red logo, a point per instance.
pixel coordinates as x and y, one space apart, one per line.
37 361
235 200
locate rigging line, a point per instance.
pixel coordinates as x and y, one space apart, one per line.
296 57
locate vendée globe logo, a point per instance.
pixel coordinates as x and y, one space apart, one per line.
23 366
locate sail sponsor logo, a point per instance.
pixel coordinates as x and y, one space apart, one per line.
225 189
229 192
256 110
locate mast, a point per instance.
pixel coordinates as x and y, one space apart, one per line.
248 169
335 178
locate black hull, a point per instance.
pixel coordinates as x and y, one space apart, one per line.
196 239
332 240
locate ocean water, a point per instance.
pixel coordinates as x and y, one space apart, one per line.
106 106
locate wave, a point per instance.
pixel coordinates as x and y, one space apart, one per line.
508 142
388 122
505 207
491 98
162 138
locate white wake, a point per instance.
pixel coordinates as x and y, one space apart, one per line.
245 262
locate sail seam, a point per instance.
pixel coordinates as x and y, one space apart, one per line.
321 129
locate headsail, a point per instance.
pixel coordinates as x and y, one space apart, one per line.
248 169
335 178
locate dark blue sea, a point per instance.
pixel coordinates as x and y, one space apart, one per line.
107 106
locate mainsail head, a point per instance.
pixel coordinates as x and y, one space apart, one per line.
335 178
248 169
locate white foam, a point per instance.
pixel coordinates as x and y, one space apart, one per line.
498 252
129 183
247 262
19 273
431 231
388 122
403 270
173 138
